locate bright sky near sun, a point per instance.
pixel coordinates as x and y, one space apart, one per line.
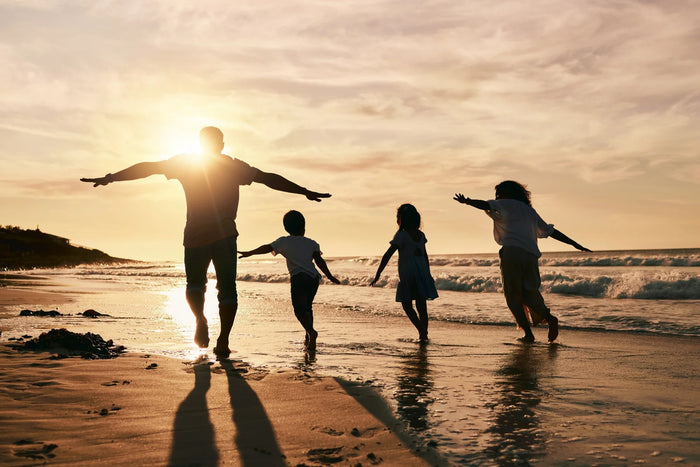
595 105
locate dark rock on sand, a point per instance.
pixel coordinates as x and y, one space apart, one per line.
40 313
90 346
92 313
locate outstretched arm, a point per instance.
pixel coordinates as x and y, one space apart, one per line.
279 183
477 203
261 250
556 235
383 263
136 171
321 263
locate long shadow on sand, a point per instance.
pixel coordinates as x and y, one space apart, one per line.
255 438
413 400
193 432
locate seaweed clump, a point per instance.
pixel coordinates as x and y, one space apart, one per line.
89 345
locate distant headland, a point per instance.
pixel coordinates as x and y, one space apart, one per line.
25 249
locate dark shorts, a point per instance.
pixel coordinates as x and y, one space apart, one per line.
223 254
304 288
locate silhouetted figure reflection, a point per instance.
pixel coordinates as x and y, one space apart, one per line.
255 437
517 438
193 432
308 363
414 388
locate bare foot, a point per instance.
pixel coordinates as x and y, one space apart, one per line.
311 339
221 350
201 334
527 339
553 328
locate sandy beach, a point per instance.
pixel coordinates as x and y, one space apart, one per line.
150 410
472 396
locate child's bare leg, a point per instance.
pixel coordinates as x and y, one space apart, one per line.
303 290
422 308
516 308
307 321
534 300
553 323
412 315
195 299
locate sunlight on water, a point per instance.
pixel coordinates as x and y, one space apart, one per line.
176 310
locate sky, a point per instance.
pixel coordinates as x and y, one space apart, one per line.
594 105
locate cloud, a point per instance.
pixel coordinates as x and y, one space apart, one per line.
378 100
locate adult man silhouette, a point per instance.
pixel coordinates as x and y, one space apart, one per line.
211 183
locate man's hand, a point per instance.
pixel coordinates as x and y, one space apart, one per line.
314 196
459 197
334 280
244 254
106 180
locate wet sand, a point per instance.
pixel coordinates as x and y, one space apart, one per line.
153 410
472 396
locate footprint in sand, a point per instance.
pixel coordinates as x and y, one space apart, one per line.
326 456
33 449
368 433
328 430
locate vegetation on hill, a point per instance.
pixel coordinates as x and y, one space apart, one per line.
24 249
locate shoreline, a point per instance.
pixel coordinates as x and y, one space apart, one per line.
473 395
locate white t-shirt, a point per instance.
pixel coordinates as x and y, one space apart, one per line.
299 252
517 224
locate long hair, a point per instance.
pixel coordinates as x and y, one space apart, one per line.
408 217
513 190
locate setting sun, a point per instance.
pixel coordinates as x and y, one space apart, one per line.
181 143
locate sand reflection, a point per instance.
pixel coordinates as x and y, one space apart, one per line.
414 387
516 436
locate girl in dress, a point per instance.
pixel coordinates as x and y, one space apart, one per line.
415 282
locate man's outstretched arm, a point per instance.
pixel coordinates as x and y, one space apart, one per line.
136 171
279 183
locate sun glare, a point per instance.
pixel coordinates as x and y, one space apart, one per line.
177 141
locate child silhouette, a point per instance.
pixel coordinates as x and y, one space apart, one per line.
301 252
516 226
415 282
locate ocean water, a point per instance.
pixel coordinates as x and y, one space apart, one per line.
482 399
647 291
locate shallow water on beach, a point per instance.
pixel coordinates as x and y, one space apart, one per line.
473 394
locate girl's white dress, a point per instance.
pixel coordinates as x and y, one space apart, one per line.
415 280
